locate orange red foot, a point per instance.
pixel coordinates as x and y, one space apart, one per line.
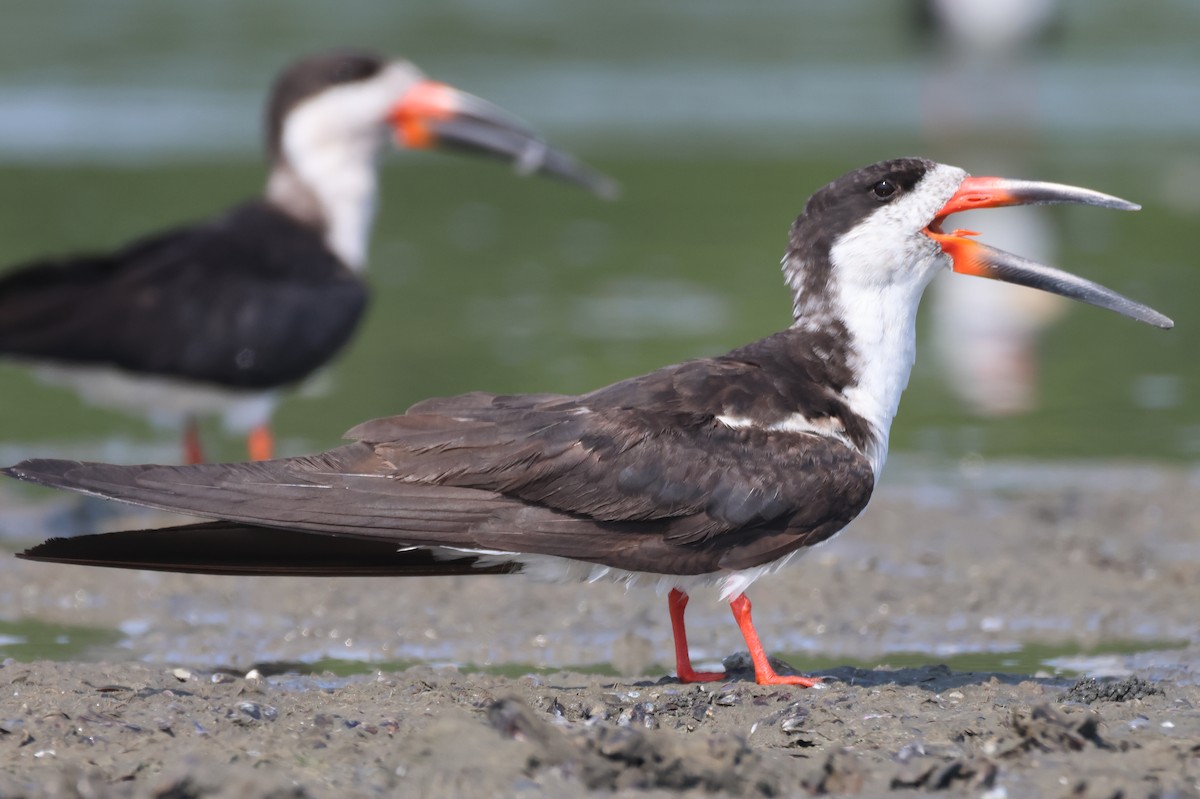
764 674
260 444
193 451
689 674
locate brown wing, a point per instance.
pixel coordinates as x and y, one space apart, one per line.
668 489
645 449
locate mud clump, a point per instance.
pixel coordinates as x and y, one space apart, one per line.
1089 690
1048 730
614 758
965 773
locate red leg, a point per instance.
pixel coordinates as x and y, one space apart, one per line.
192 451
763 673
677 603
260 444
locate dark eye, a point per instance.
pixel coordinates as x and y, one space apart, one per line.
883 189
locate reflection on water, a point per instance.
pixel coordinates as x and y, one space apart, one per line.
781 105
176 80
981 103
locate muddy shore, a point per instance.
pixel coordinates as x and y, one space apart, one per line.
1086 570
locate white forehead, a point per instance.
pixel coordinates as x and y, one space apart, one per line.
917 209
889 245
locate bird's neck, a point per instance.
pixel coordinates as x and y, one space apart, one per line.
877 336
334 191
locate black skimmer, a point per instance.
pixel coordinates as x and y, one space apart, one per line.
714 471
217 316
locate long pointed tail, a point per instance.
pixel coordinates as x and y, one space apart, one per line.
345 491
224 548
200 489
337 513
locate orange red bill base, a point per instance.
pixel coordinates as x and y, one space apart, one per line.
971 257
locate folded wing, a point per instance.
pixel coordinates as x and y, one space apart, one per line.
585 477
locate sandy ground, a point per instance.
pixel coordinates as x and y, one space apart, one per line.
1090 569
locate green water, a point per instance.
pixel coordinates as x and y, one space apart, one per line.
482 281
30 640
1028 660
719 120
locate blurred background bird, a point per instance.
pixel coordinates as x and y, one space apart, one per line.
217 316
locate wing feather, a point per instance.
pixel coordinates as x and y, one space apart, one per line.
641 475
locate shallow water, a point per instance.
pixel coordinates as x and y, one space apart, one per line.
30 640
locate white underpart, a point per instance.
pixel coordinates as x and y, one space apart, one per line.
882 267
331 143
553 569
166 402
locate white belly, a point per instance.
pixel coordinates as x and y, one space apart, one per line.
166 402
553 569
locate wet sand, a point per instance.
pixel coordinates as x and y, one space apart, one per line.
1100 565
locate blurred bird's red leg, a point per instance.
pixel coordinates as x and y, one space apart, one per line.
193 453
677 603
260 444
763 673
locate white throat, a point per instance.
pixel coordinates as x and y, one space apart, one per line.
330 182
880 271
883 339
329 147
